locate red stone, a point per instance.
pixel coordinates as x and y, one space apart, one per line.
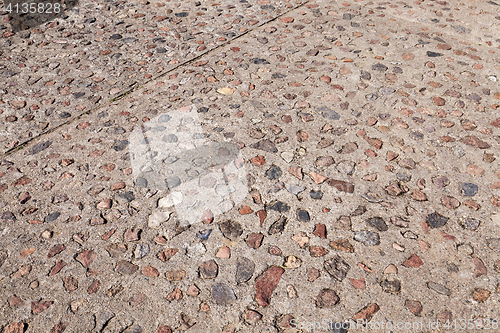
480 268
245 210
358 283
56 249
57 267
414 261
367 312
15 302
86 257
167 254
70 284
258 160
163 329
320 230
475 142
415 307
15 328
266 283
59 328
262 214
150 271
318 251
39 307
254 240
94 287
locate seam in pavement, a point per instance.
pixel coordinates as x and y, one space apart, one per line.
135 86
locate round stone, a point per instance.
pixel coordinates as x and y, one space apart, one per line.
222 294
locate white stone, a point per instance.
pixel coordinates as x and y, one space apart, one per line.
287 156
157 218
173 199
196 250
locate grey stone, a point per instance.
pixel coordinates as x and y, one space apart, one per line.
337 267
265 145
39 147
469 189
470 223
125 197
378 223
52 217
278 206
278 226
222 294
273 172
346 167
366 237
366 75
231 229
294 189
494 244
135 328
244 270
317 195
391 286
338 327
439 288
328 113
303 215
170 138
436 220
141 182
173 181
3 256
164 118
102 319
379 67
120 145
141 251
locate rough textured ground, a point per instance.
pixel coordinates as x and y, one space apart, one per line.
251 167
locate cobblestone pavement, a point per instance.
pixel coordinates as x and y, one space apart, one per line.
251 167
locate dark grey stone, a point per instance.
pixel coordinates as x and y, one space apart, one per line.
259 61
120 145
278 226
125 197
337 267
433 54
244 270
303 215
273 172
278 206
317 195
328 113
469 189
52 217
391 286
222 294
436 220
39 147
379 67
377 223
231 229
